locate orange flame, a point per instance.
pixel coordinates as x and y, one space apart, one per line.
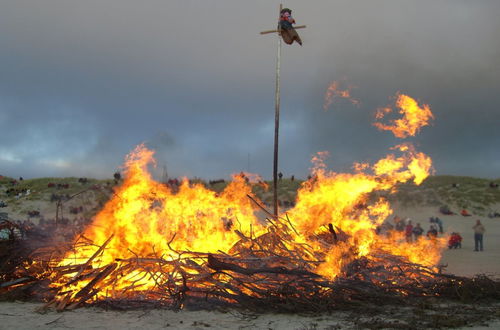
342 200
414 117
146 218
333 92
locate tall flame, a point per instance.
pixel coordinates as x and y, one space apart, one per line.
147 218
343 201
145 215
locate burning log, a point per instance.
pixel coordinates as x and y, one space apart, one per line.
89 291
330 228
17 282
219 265
85 265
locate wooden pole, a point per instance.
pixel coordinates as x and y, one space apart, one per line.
277 123
277 113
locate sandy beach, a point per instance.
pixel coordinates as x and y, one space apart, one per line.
23 316
464 261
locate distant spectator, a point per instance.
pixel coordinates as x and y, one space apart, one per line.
494 214
21 178
445 210
211 182
280 176
465 213
432 232
33 213
409 231
455 241
438 222
417 231
399 224
117 176
385 228
292 178
478 235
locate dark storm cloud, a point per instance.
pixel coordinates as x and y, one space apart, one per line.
444 54
82 83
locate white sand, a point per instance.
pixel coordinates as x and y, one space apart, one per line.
22 316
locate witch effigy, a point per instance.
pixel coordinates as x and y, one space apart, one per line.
288 32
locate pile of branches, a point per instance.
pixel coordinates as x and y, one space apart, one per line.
269 272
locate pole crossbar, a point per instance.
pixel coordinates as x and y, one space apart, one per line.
274 31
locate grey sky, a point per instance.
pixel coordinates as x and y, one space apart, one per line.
83 82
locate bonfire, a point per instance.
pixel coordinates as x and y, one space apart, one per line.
191 246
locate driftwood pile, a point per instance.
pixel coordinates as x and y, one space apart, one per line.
270 272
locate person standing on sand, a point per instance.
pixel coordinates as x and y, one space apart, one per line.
439 222
399 224
409 232
432 232
417 231
478 235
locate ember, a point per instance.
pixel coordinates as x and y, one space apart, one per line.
334 92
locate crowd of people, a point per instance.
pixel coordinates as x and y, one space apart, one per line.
413 233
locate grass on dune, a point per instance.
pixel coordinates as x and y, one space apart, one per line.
458 192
